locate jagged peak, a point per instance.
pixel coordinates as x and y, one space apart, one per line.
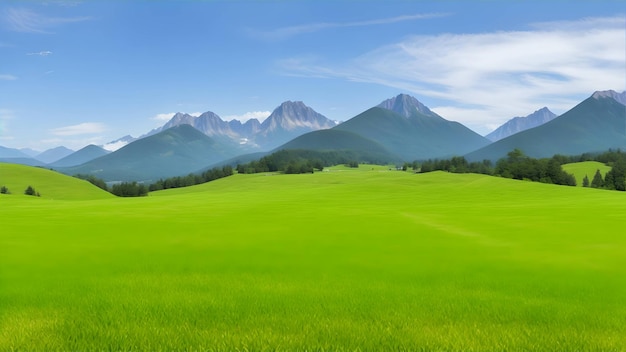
405 105
619 97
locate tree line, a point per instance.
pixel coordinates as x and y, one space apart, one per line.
299 161
139 189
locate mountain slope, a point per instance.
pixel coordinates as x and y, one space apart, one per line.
54 154
81 156
12 153
412 134
596 124
173 152
519 124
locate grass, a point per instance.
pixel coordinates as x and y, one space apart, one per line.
588 168
51 185
335 261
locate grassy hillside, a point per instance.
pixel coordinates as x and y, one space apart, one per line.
579 170
50 184
338 260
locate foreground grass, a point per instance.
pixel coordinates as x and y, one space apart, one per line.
372 260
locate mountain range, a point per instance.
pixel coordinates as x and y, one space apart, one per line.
596 124
519 124
397 129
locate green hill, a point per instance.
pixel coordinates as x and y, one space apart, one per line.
594 125
174 152
588 168
50 184
416 137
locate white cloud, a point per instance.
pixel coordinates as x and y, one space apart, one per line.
28 21
41 53
114 146
6 77
488 77
287 32
82 128
259 115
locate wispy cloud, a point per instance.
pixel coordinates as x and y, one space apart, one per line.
6 77
28 21
83 128
287 32
490 77
41 53
259 115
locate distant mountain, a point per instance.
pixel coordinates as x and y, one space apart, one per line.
289 120
51 155
16 156
407 128
12 153
30 152
519 124
81 156
118 143
174 152
596 124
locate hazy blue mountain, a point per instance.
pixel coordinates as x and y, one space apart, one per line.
81 156
12 153
51 155
519 124
174 152
30 152
247 129
407 128
596 124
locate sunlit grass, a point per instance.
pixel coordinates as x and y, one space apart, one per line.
373 260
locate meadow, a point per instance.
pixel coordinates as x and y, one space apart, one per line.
341 260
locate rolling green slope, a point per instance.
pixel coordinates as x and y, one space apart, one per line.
594 125
579 170
415 137
50 184
340 261
174 152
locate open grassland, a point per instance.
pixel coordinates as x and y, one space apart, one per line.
51 185
336 261
588 168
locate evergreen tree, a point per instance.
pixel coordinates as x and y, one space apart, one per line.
30 191
4 190
586 181
598 181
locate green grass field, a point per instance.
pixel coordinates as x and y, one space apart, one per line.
344 260
579 170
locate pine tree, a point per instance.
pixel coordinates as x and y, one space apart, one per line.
30 191
598 181
4 190
586 181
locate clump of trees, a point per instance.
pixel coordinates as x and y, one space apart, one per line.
129 189
4 190
615 179
30 191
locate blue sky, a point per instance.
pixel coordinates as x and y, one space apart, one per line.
79 72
